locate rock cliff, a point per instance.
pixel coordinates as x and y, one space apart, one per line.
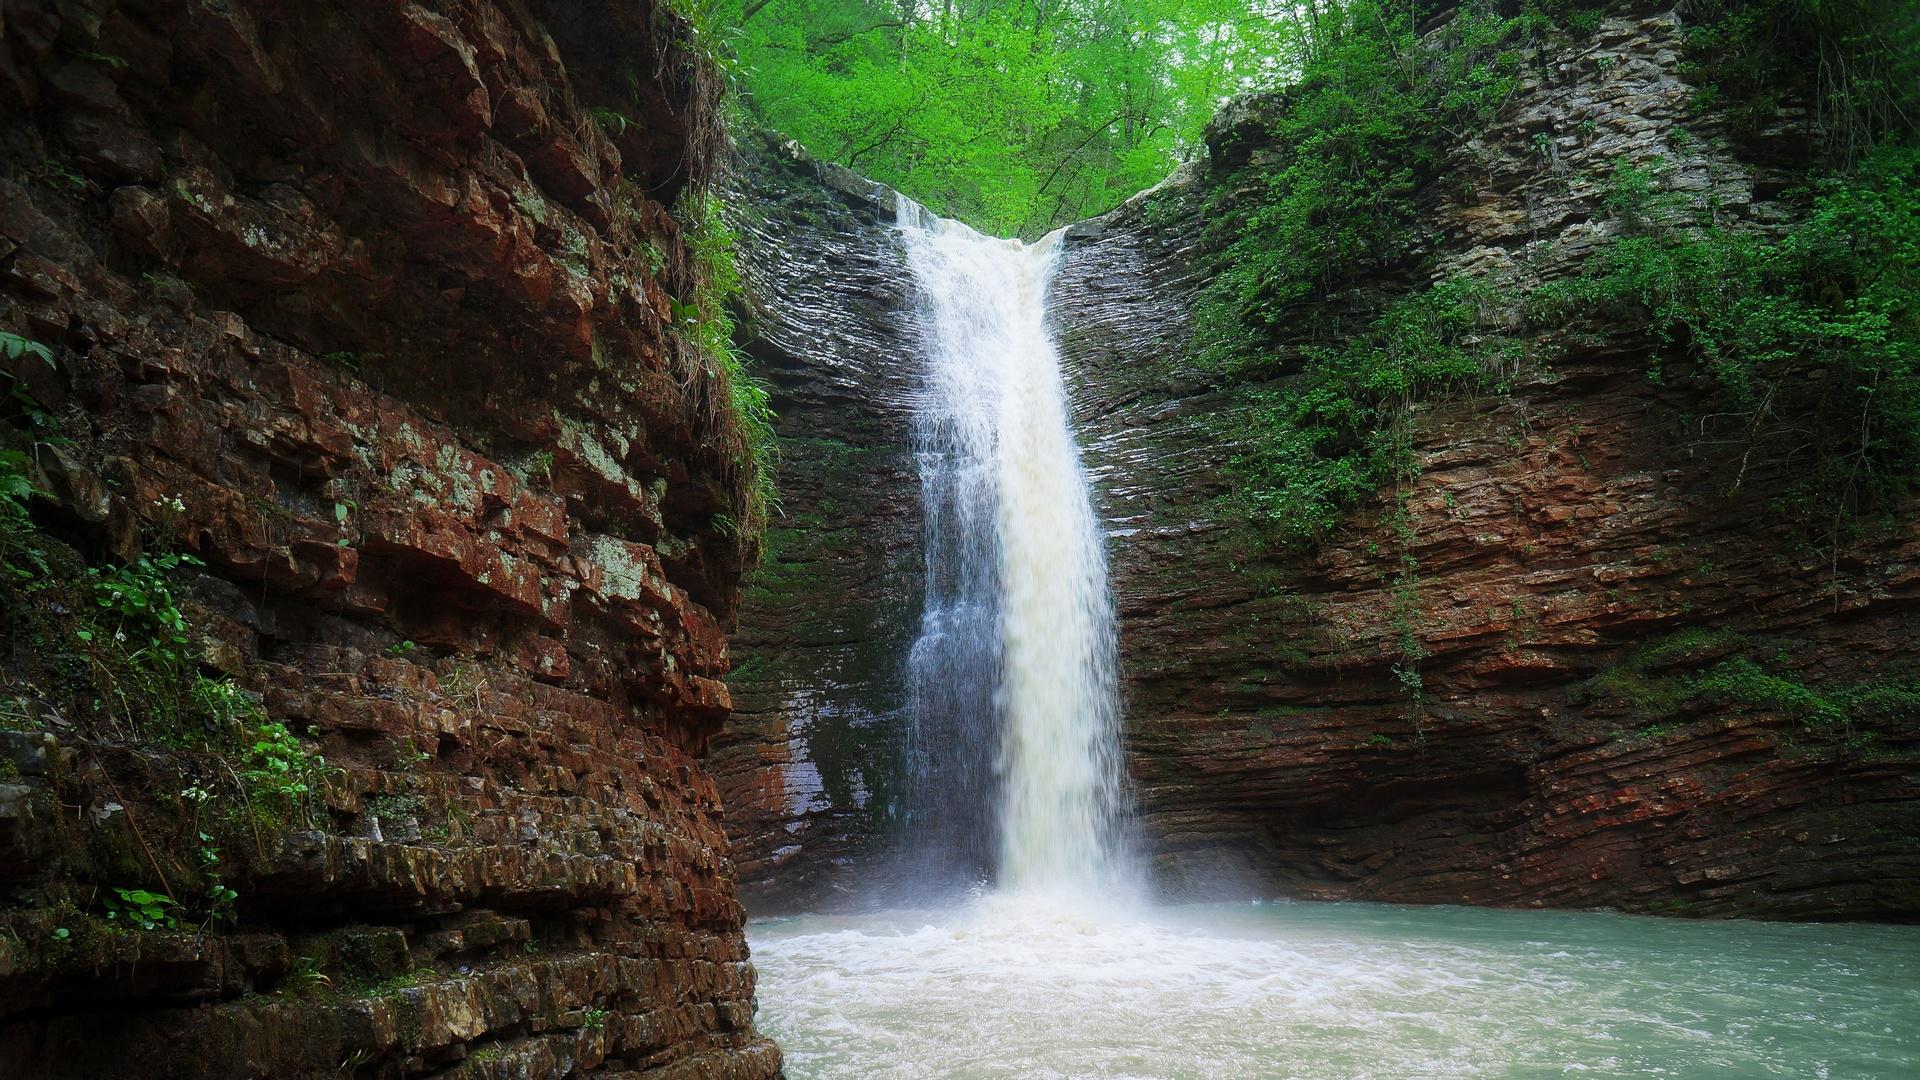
364 428
809 766
1575 555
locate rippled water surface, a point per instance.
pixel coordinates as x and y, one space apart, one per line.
1013 987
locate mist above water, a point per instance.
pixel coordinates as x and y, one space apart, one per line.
1015 988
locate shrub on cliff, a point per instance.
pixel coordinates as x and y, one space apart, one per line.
705 321
1817 328
1331 197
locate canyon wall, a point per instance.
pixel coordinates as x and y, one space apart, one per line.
1566 543
810 765
1573 549
364 428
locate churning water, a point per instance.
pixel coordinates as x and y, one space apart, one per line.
1015 750
1058 970
1011 988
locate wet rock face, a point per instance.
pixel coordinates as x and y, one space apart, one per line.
1573 538
809 766
374 292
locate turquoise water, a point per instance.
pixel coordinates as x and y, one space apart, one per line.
1013 986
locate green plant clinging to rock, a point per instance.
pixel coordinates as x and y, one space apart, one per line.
1355 137
705 321
1816 327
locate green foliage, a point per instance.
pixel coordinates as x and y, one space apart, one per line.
21 560
613 121
1700 670
141 910
541 465
13 347
306 976
1331 196
62 176
1853 65
1367 122
1012 115
111 649
1820 325
279 774
1335 430
705 321
1404 600
279 767
139 608
594 1018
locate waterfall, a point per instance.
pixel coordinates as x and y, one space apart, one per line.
1015 745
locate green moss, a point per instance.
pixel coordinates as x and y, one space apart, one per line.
1692 672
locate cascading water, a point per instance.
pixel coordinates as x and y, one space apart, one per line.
1016 778
1017 644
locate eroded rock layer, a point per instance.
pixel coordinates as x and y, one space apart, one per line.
1570 551
367 308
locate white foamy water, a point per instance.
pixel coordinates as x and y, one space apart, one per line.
994 426
1013 988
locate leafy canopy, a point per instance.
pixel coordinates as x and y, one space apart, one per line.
1015 115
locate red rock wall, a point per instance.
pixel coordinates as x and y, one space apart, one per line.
378 298
1585 532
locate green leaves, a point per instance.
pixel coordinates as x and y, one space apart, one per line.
1348 146
1330 198
13 347
141 909
1011 117
145 618
1334 431
1820 323
14 485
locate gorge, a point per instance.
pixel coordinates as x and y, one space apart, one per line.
490 532
1576 561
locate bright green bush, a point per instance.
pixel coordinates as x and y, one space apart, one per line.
1366 124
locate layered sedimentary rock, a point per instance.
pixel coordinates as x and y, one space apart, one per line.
1569 549
1573 550
810 764
367 307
